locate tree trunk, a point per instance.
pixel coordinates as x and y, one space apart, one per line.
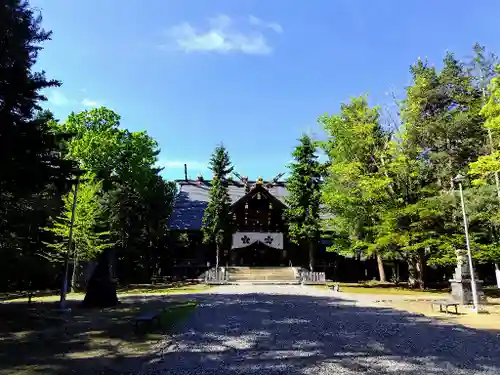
421 269
416 270
101 288
311 256
381 271
412 273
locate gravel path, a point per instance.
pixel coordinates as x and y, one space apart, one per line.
305 330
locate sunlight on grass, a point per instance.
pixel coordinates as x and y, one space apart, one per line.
147 289
488 321
101 341
167 290
384 289
388 291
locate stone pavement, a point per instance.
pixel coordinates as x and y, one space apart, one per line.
307 330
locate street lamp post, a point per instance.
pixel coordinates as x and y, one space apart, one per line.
460 179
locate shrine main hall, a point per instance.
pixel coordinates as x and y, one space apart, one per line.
260 231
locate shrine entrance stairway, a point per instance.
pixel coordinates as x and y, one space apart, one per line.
262 275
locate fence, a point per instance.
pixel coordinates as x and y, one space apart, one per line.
308 277
214 276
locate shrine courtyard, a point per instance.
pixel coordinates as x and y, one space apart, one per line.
265 329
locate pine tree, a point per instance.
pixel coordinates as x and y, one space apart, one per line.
32 168
26 145
217 222
303 201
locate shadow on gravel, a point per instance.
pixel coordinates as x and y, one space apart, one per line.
293 334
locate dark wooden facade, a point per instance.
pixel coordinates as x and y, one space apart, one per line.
259 211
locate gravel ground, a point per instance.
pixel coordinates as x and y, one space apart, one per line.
305 330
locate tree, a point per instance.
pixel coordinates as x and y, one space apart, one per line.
355 188
137 200
112 154
487 165
442 134
304 197
32 169
217 222
89 238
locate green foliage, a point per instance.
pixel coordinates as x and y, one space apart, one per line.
113 154
441 117
88 237
217 223
33 173
486 165
303 201
355 188
136 200
395 194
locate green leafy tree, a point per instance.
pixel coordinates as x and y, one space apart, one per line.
113 154
487 165
217 223
356 189
88 237
303 201
136 198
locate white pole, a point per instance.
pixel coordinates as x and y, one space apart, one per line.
469 253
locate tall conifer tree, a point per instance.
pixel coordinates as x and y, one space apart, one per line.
217 219
304 197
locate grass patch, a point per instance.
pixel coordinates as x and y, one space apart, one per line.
386 289
159 289
36 339
164 289
489 321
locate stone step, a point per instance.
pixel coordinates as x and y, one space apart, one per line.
262 278
259 275
265 282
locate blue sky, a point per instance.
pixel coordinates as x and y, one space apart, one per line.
254 74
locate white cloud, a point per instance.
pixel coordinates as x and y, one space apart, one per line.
276 27
57 98
222 36
90 103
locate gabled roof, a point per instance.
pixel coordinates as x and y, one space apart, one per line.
259 188
192 200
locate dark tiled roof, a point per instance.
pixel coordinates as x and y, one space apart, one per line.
192 200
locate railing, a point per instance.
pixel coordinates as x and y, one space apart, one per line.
307 277
214 276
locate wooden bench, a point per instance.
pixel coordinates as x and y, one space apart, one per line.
148 318
446 304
